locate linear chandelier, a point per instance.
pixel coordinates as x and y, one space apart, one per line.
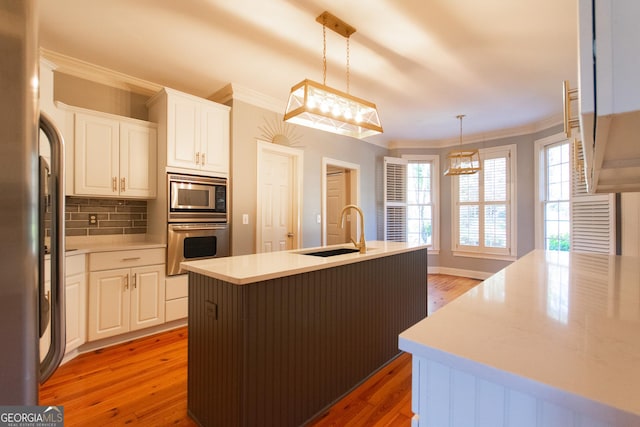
462 162
322 107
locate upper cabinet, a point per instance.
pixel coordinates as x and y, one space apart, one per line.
114 156
609 93
194 130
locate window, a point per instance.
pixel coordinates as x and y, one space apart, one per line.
566 216
484 207
419 202
556 194
411 199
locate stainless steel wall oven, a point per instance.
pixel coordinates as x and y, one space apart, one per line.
197 215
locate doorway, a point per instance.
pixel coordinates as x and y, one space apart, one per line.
279 197
340 187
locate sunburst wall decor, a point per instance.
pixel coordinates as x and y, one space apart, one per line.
279 132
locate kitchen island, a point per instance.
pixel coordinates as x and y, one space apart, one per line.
552 340
276 338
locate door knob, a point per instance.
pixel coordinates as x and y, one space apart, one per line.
289 234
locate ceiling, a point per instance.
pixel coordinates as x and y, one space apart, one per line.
422 62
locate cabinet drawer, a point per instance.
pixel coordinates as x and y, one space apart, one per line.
177 287
122 259
74 264
176 309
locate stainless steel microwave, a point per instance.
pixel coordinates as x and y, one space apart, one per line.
196 198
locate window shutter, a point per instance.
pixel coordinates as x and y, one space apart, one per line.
592 216
395 199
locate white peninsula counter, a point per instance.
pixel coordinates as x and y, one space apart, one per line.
276 338
552 340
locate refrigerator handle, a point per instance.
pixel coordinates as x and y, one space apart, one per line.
58 339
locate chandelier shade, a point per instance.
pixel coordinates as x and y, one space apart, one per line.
321 107
462 162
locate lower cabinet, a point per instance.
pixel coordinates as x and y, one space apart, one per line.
75 282
126 291
177 297
75 302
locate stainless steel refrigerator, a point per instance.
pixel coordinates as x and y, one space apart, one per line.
28 187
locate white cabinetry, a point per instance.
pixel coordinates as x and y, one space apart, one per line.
609 92
114 156
194 130
126 291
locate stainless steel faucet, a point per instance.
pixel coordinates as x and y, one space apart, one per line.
361 245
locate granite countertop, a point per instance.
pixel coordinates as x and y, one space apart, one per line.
244 269
567 322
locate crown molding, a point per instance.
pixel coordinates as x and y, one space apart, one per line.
241 93
528 129
95 73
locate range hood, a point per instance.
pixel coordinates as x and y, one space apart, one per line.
609 85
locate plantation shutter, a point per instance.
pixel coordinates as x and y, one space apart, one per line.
395 199
592 216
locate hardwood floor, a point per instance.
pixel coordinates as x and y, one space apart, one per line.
144 382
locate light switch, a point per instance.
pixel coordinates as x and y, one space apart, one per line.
245 219
318 219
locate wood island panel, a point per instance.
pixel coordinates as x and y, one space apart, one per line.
280 351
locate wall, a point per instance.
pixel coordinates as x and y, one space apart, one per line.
83 93
525 204
247 126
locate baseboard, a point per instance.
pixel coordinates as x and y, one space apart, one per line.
479 275
119 339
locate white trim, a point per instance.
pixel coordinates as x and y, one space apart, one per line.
297 156
234 91
95 73
355 196
435 194
480 137
484 255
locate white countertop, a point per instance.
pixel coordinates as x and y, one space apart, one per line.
245 269
566 321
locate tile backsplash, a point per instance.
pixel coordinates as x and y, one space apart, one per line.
113 216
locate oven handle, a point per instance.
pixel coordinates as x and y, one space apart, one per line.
192 227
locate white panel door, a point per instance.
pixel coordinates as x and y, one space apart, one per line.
138 160
277 198
147 296
336 200
109 301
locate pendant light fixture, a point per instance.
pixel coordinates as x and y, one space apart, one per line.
322 107
462 162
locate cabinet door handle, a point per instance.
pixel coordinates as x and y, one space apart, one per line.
134 258
126 282
114 184
202 158
133 280
123 184
197 158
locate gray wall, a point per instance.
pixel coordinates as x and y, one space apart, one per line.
247 124
524 194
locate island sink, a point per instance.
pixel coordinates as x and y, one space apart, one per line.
332 252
